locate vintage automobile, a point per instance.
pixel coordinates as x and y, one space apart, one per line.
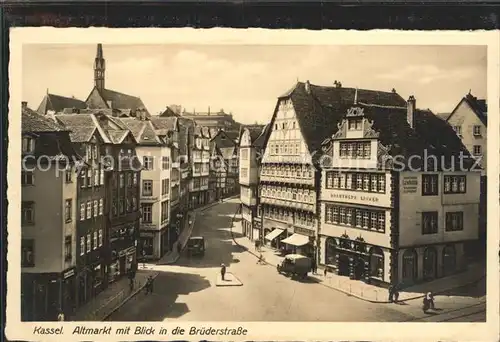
196 245
295 265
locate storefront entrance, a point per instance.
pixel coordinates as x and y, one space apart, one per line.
343 265
430 263
359 268
410 266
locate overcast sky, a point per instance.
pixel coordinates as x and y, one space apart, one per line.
247 79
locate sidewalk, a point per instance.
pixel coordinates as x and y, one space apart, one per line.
112 298
361 290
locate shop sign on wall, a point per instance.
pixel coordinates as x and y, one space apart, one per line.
410 184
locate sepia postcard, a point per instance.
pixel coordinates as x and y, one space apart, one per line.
224 184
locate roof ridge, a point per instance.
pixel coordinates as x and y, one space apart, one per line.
379 105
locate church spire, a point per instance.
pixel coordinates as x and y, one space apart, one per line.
99 68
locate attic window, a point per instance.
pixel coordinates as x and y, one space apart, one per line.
223 137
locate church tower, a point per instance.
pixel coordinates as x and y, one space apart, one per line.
99 68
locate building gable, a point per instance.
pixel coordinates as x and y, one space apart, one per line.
285 139
95 100
245 139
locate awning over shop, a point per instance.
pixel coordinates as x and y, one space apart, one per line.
296 240
274 234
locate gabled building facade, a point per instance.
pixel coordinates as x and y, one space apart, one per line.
200 152
469 120
289 176
88 140
48 218
227 144
249 170
399 198
155 153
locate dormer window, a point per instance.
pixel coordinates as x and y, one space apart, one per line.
28 145
355 124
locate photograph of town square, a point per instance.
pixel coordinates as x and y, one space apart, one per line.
253 183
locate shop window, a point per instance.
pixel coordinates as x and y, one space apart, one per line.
330 250
376 262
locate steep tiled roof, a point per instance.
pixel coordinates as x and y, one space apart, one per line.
143 131
57 103
169 123
122 101
430 136
443 116
32 121
317 109
82 126
478 106
117 135
261 139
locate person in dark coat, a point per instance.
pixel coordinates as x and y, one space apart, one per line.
314 267
391 293
222 271
396 293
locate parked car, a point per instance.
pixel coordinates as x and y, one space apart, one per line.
295 265
196 245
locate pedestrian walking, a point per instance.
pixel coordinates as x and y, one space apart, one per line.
261 259
430 300
314 266
325 271
391 293
425 306
179 248
222 271
143 259
149 285
396 293
60 316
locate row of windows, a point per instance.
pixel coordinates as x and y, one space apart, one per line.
147 212
356 149
299 218
287 193
86 177
148 162
91 152
91 242
88 208
284 148
131 180
28 145
118 207
285 125
454 221
476 130
201 168
147 187
197 182
369 182
355 217
300 171
452 185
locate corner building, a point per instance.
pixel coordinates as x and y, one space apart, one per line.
399 196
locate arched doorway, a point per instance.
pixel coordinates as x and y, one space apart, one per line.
449 260
410 266
330 251
376 262
430 263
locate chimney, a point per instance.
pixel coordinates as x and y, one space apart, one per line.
308 87
208 110
24 104
410 111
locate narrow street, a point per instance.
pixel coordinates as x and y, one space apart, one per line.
186 291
